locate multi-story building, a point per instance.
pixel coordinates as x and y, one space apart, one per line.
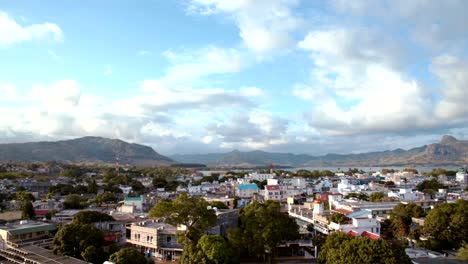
273 192
155 239
246 190
261 176
25 233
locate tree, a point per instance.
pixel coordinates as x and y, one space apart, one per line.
463 252
445 225
106 197
216 250
338 218
88 217
376 197
262 228
27 210
400 218
430 186
129 255
340 248
219 205
189 211
72 201
360 196
74 239
24 196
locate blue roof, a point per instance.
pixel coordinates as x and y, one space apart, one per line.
359 214
251 186
133 199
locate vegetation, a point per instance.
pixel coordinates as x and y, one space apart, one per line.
438 172
79 240
88 217
338 218
400 218
359 196
376 197
340 248
463 252
210 249
73 201
445 226
27 210
262 227
129 255
431 186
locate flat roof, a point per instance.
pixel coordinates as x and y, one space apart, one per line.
28 227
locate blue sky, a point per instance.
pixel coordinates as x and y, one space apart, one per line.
197 76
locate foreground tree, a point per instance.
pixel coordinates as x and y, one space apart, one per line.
400 218
445 226
129 255
210 249
340 248
262 228
188 211
79 240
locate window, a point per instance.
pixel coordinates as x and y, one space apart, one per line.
168 239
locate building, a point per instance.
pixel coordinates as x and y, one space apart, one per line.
226 218
36 255
246 190
261 176
132 205
461 177
273 192
406 194
25 233
155 239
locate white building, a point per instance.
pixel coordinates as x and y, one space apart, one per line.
247 190
261 176
405 194
273 192
461 177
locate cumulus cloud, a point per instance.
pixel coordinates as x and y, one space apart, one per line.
12 32
264 25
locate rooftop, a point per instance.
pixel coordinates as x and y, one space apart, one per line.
27 227
251 186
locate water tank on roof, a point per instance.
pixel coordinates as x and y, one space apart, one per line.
23 222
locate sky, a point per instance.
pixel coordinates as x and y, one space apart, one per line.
202 76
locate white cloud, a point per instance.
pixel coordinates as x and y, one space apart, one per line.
144 53
190 68
264 25
11 32
358 87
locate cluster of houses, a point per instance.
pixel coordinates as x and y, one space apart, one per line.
310 201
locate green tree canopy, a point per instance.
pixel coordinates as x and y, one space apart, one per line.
129 255
340 248
74 239
376 197
210 249
88 217
430 186
445 225
338 218
189 211
262 228
73 201
400 218
27 210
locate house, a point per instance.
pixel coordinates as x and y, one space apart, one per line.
246 190
132 205
155 238
25 233
273 192
260 176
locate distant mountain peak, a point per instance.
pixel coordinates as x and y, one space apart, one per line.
448 139
87 149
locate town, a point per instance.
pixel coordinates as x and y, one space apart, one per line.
68 213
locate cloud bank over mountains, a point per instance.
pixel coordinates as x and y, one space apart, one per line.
371 75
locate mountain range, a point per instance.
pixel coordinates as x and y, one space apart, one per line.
449 151
83 150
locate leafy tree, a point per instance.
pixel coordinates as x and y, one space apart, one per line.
50 214
27 210
159 182
88 217
24 196
216 250
360 196
338 218
340 248
219 205
93 187
129 255
189 211
106 197
401 215
73 201
430 186
376 197
261 184
74 240
463 252
262 228
413 170
446 225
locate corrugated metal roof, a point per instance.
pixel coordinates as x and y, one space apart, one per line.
251 186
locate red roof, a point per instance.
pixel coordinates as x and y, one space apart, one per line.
370 235
273 187
353 233
41 212
343 211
